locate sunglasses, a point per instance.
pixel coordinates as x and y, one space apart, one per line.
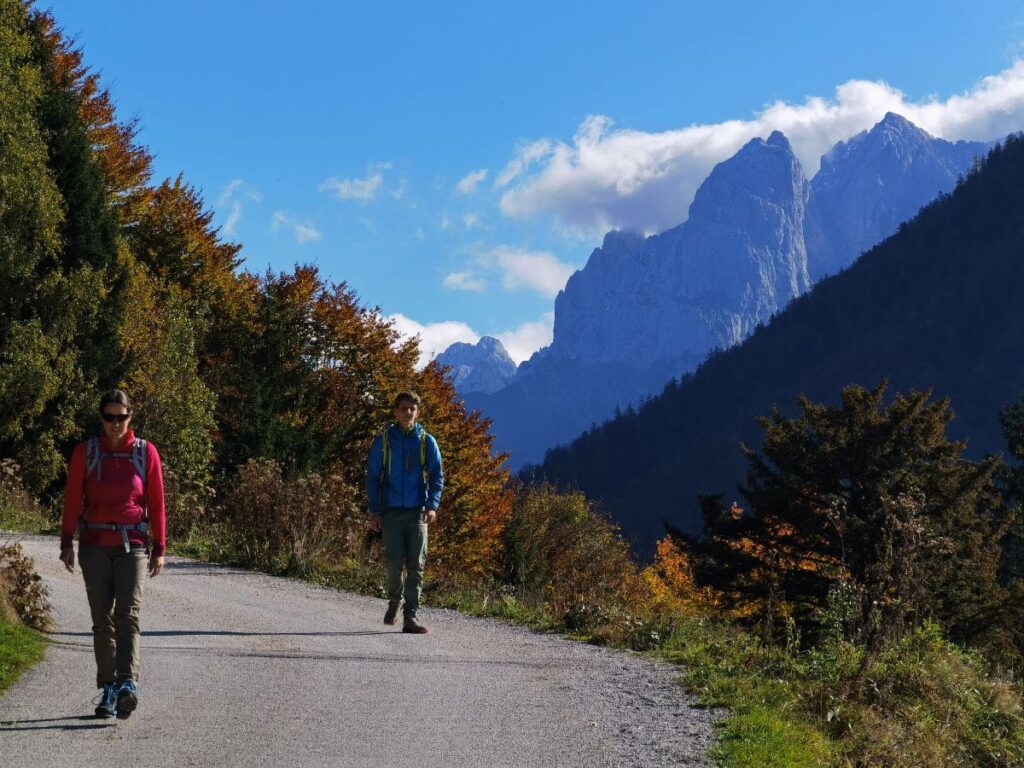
120 418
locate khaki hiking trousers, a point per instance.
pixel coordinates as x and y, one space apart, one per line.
113 582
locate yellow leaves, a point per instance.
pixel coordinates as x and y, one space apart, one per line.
670 583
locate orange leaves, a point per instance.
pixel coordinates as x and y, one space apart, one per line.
670 580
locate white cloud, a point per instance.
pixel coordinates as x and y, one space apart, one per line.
434 338
537 270
471 220
522 342
232 197
445 222
467 184
464 281
628 179
303 231
360 189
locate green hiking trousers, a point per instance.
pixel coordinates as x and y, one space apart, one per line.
405 546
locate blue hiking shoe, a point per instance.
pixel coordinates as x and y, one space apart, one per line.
127 698
108 699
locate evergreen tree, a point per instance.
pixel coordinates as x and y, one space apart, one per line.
865 502
36 365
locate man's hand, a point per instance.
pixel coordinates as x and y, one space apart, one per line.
156 564
67 556
428 516
375 522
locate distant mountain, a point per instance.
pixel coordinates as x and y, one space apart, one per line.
868 185
935 306
481 367
644 310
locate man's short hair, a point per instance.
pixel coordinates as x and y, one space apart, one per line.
407 396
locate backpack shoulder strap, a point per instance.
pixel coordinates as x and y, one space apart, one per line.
385 455
93 459
423 448
139 456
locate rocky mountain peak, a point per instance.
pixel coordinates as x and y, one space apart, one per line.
874 181
481 367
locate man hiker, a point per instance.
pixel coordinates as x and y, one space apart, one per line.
403 486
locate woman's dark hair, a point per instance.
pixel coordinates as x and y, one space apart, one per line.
409 396
116 396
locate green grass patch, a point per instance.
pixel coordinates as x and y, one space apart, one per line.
921 701
20 648
728 668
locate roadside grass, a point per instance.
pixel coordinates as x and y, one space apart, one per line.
20 648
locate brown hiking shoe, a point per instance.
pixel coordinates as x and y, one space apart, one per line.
391 613
412 627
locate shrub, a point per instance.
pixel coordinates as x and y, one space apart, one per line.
22 588
19 508
557 547
287 525
187 502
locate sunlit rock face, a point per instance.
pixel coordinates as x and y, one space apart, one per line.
481 367
867 186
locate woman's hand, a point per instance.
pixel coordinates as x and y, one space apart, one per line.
67 556
156 564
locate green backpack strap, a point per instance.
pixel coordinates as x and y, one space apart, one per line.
385 455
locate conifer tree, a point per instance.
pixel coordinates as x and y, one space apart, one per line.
869 503
36 364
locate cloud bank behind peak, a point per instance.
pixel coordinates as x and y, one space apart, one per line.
622 178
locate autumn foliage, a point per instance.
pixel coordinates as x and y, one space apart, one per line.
111 278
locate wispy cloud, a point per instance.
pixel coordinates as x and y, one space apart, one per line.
467 184
464 281
536 270
471 221
366 188
303 231
232 197
609 178
525 157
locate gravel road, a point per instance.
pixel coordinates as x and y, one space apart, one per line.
243 669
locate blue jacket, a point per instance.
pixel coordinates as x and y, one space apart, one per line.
404 486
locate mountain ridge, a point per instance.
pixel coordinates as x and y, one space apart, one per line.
646 309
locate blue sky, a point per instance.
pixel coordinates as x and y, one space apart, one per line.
454 162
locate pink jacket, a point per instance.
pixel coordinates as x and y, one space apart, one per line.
118 498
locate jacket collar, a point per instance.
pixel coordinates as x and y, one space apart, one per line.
416 429
129 441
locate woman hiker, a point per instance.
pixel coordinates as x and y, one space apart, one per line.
115 499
